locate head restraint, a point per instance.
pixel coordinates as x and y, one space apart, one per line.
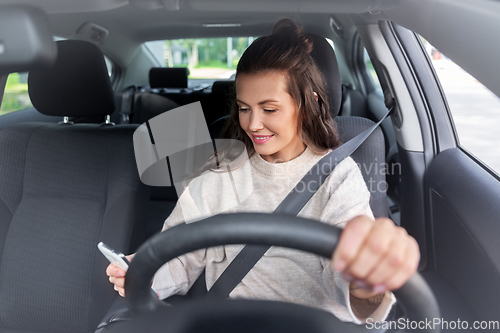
76 85
324 56
163 77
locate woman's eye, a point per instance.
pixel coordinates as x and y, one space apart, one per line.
270 110
243 109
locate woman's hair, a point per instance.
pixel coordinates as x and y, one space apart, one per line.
288 50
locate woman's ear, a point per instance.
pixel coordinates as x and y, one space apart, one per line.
315 95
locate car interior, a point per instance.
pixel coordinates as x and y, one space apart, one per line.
69 176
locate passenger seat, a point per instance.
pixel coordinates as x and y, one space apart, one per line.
63 188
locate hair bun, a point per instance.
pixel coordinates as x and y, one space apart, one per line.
287 28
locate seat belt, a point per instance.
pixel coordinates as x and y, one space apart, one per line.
127 103
291 205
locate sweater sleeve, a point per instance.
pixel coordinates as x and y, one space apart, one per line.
349 197
179 274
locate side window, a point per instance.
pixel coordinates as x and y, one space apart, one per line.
15 96
474 108
372 75
109 65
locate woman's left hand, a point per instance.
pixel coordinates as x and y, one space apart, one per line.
375 256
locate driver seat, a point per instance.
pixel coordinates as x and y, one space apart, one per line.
370 156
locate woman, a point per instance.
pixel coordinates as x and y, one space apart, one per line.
282 117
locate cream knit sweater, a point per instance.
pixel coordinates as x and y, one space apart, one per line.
281 274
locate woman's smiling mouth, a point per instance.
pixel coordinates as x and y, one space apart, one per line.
261 138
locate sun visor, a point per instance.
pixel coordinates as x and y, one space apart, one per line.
26 40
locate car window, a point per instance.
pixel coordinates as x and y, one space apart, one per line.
474 108
206 58
15 95
109 65
372 75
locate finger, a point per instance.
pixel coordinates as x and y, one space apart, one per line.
130 257
112 270
119 282
351 240
388 265
374 248
119 272
120 291
408 267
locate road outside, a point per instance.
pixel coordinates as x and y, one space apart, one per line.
211 73
475 110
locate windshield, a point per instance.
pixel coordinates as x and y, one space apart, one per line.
206 58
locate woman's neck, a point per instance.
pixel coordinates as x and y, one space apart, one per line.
287 154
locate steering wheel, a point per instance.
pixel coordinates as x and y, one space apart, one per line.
414 296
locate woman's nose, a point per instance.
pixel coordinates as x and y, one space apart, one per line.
256 123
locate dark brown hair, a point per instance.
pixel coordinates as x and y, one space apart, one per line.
288 50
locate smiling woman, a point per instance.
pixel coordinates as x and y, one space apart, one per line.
279 67
283 116
272 123
442 186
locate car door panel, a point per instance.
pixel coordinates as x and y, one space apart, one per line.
464 210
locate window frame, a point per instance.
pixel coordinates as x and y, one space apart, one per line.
464 149
366 83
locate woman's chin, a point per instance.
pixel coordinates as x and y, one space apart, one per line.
265 152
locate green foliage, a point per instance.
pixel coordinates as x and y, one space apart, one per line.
15 96
210 52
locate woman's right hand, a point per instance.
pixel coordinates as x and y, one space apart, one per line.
117 276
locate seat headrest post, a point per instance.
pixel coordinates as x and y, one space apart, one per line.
108 121
65 121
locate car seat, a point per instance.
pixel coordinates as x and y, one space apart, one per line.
220 100
63 188
370 156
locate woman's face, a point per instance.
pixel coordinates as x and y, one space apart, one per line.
269 116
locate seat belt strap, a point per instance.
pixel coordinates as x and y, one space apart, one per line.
126 104
291 205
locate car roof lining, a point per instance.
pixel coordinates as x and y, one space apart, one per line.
70 6
262 6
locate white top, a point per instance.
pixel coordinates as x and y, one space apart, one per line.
281 274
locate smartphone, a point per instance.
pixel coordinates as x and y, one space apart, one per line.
116 258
